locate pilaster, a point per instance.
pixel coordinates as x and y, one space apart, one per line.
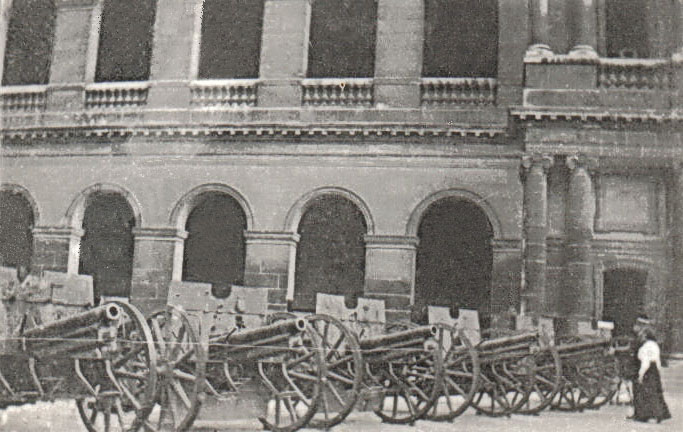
5 13
506 274
284 52
398 52
675 297
269 264
56 249
390 272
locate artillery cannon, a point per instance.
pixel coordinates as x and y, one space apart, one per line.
104 357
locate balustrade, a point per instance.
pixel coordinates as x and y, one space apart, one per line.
338 92
231 93
23 98
458 91
635 74
116 94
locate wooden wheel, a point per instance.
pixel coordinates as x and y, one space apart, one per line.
410 383
343 370
505 386
461 375
547 381
294 380
607 375
577 391
180 370
133 370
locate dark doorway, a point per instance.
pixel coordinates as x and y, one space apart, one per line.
214 249
330 257
454 259
107 244
16 225
623 298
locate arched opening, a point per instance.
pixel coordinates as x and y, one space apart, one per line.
623 298
215 246
454 259
330 257
460 38
626 28
342 38
107 245
28 49
16 230
231 39
125 47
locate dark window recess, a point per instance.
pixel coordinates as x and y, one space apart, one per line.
126 34
107 244
460 38
231 39
626 29
342 38
16 235
623 298
28 49
330 257
454 259
214 249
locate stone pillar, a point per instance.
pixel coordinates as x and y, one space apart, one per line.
74 55
157 259
506 275
675 297
534 299
540 38
578 298
585 29
5 14
175 54
269 264
390 273
398 52
678 30
56 249
284 52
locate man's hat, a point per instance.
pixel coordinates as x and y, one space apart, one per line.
643 319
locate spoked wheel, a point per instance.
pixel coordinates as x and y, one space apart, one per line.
410 384
576 393
180 368
461 375
343 370
506 385
547 381
294 379
607 375
133 370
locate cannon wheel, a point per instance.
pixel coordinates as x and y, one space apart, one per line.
180 369
343 373
547 381
608 381
505 386
410 383
461 375
133 369
577 391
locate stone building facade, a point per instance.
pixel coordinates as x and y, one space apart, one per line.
505 155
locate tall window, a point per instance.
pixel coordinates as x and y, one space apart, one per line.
231 39
330 257
16 224
342 38
215 246
126 34
626 29
28 50
460 38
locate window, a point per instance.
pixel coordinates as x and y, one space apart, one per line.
625 29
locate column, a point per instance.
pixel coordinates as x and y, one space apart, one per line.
74 55
284 52
534 299
506 275
157 259
577 300
585 29
390 273
539 47
675 297
56 249
678 30
5 13
269 264
175 53
398 52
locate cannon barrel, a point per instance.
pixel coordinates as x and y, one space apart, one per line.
507 342
583 347
392 340
60 328
256 335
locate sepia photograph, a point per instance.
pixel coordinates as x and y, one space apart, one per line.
341 215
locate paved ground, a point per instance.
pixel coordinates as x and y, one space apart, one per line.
63 417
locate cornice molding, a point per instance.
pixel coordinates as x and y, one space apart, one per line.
552 115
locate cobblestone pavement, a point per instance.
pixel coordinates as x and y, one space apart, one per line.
62 417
